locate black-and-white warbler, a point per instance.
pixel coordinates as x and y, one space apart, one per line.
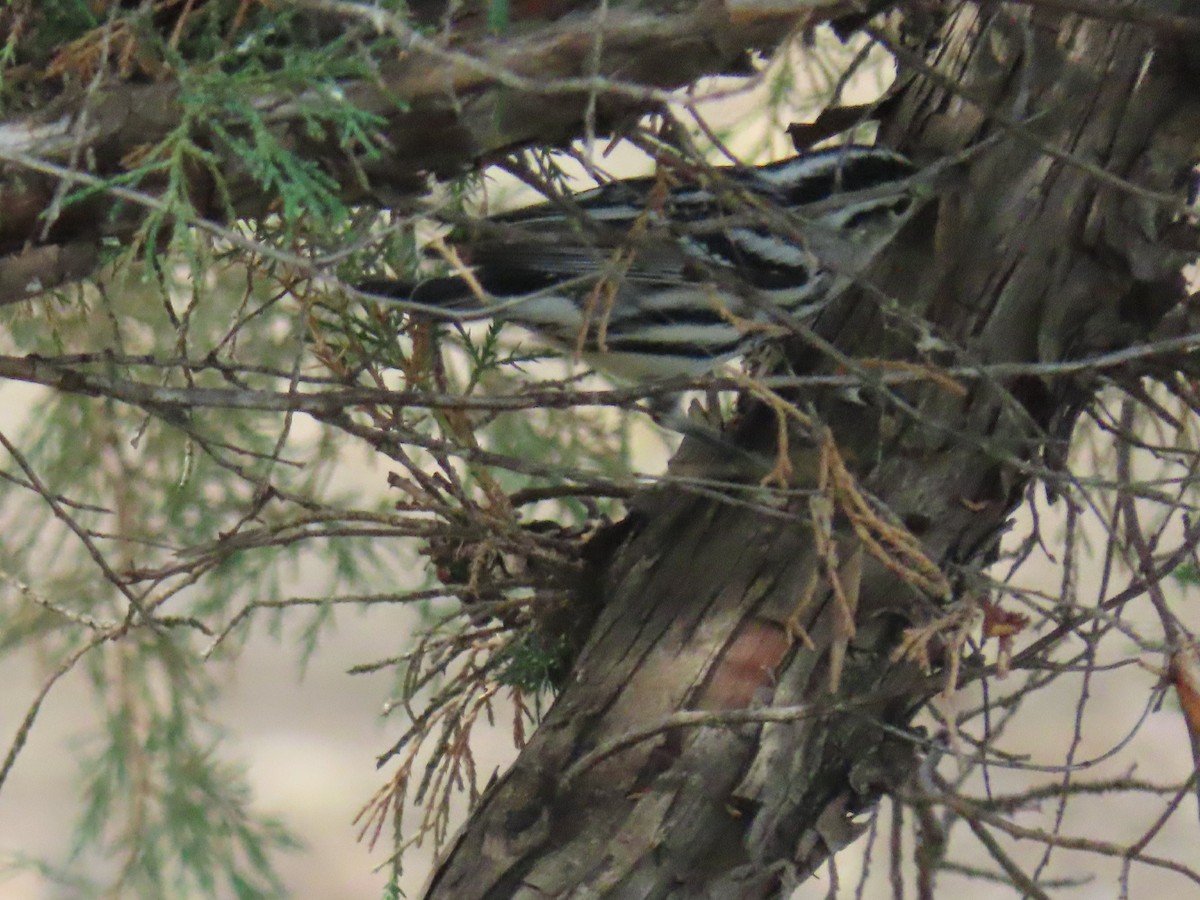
649 280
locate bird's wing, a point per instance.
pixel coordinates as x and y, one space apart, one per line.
744 227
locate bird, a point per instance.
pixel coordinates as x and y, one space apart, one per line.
652 277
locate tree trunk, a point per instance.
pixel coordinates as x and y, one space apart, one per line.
724 724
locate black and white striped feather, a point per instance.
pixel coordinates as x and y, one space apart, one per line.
651 282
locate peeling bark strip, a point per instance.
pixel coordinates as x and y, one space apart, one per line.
1031 260
447 103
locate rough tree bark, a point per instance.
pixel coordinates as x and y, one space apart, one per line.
1029 257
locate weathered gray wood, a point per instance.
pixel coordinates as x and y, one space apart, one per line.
1031 260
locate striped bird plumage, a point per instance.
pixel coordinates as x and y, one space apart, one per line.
652 280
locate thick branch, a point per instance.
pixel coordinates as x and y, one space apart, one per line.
445 103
